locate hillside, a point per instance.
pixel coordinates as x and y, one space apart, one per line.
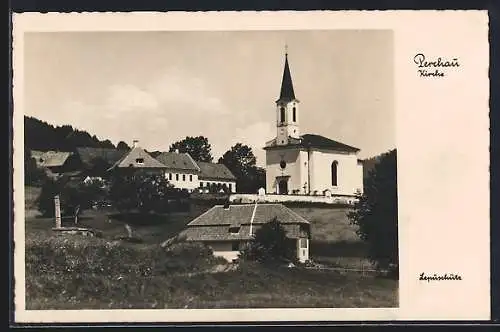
39 135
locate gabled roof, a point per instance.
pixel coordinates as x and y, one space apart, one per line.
313 141
50 158
88 155
215 224
138 158
174 160
212 171
286 92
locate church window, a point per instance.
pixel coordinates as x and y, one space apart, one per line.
334 173
294 114
282 114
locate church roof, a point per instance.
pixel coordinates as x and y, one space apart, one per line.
286 92
313 141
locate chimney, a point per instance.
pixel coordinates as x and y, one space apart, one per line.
135 143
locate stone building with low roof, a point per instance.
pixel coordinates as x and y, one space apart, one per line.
227 228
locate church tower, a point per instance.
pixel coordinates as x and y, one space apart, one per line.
287 109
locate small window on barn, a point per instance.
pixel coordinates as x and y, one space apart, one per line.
183 177
191 177
234 229
140 160
170 176
176 177
235 246
231 187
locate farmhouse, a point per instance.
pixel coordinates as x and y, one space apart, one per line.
307 164
55 163
181 170
227 228
138 158
216 177
94 162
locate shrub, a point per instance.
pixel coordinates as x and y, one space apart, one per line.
376 213
270 245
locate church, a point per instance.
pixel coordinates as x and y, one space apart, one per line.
307 164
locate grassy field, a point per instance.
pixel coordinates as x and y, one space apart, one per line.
75 272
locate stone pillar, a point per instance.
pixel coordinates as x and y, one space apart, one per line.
57 210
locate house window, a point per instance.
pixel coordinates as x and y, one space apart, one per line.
234 229
170 176
303 243
176 177
235 246
334 173
294 114
191 177
201 184
140 160
282 114
231 187
183 177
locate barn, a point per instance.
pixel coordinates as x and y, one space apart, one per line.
227 228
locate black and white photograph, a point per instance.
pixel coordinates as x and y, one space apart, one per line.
210 170
250 167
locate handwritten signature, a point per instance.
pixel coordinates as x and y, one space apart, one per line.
439 277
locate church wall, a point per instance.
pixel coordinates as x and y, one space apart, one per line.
349 175
292 169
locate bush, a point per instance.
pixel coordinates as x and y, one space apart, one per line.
33 175
270 245
376 213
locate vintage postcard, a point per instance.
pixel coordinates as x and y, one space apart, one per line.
251 166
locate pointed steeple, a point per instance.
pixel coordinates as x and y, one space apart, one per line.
286 93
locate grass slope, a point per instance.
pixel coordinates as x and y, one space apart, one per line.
74 272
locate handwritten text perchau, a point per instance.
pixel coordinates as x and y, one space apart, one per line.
423 64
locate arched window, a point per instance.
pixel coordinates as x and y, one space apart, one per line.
282 114
294 114
334 173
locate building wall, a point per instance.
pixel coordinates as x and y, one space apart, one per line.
224 249
292 157
229 184
183 184
349 172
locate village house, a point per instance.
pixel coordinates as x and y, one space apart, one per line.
227 228
307 164
138 159
216 177
55 163
181 170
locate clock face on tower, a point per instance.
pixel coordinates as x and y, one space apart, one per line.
282 164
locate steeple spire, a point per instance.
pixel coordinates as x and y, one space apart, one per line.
286 93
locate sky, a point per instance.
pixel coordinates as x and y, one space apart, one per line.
159 87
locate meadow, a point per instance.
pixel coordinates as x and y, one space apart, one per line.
76 272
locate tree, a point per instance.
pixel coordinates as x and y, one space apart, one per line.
33 175
122 146
197 147
269 245
376 213
241 161
141 192
75 197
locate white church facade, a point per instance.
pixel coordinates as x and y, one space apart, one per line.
307 164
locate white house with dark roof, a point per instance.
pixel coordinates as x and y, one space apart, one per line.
181 170
138 158
227 229
307 164
216 177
